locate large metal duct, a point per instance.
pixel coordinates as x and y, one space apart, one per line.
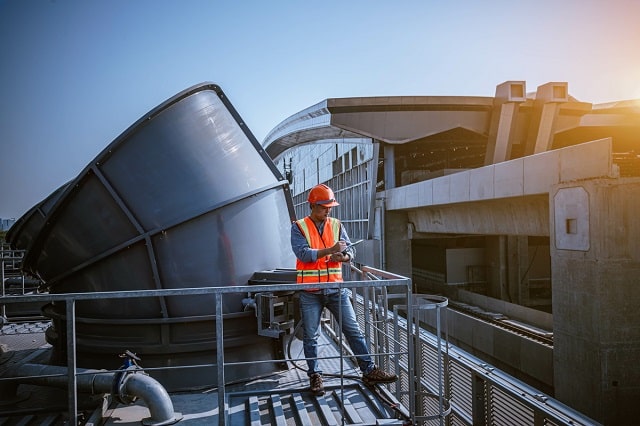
186 197
22 232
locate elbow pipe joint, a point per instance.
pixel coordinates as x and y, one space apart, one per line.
126 385
118 389
133 382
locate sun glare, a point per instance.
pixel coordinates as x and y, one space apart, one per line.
636 93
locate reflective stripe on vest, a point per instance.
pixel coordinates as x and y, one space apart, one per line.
323 269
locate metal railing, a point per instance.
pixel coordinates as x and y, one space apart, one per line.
445 385
439 383
10 263
71 299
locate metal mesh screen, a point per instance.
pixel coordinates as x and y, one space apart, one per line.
460 388
502 409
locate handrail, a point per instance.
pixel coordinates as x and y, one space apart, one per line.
479 378
472 380
70 300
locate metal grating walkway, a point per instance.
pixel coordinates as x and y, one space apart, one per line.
283 399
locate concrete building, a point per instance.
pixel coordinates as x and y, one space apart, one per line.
520 205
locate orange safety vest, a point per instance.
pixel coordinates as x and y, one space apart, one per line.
323 269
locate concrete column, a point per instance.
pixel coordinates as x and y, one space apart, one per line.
397 245
495 253
507 258
544 116
544 137
517 265
389 167
595 261
508 97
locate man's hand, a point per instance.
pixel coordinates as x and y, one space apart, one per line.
339 257
339 246
335 252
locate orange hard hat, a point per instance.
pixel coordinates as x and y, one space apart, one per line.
323 195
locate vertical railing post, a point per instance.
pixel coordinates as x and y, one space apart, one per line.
366 297
478 402
222 409
71 361
396 350
4 310
425 303
441 407
412 380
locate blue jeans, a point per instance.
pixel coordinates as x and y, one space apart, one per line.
311 306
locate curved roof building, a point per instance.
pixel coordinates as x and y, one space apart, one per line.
524 200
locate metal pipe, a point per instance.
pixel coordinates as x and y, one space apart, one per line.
22 281
124 384
155 397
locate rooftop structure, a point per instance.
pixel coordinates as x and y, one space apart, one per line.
521 202
159 285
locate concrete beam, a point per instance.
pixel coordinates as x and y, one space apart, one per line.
510 216
532 175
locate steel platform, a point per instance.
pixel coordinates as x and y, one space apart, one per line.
282 398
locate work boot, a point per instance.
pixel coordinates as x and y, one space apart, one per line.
378 376
316 386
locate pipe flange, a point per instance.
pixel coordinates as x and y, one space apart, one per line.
150 422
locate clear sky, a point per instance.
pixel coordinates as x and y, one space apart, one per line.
75 74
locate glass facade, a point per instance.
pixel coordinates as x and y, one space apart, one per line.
345 165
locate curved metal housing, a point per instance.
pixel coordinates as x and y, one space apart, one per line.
186 197
21 234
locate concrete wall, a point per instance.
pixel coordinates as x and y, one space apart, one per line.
522 358
397 245
595 252
458 261
508 198
542 320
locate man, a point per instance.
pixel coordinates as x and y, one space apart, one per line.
321 244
